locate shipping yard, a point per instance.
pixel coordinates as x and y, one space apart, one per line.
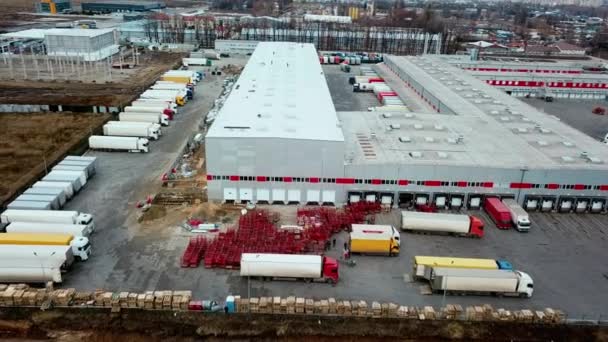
275 178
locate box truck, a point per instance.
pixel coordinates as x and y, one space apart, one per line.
73 179
53 228
498 212
464 225
519 217
38 252
19 270
289 266
58 192
374 239
158 118
123 129
475 281
423 264
59 216
29 205
130 144
156 109
66 187
155 102
81 248
52 199
154 127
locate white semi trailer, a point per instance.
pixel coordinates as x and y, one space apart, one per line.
59 193
29 205
80 175
123 129
150 108
52 199
476 281
73 179
78 168
37 252
519 217
16 270
45 227
289 266
144 117
67 187
155 102
130 144
90 162
465 225
49 216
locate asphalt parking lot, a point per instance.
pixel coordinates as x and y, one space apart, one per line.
345 100
564 253
576 113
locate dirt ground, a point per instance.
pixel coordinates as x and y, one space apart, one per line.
31 140
121 90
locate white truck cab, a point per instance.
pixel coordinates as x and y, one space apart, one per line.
81 247
522 223
526 284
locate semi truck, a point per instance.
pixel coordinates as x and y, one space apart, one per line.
130 144
155 102
374 239
475 281
465 225
423 265
81 248
187 76
53 228
52 199
173 95
158 118
61 253
290 266
54 216
66 187
154 127
519 217
498 212
150 108
183 90
196 61
59 193
124 129
29 205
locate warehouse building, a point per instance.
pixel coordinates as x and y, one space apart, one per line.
277 140
90 45
109 6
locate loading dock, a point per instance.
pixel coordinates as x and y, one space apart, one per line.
565 204
547 203
406 199
531 202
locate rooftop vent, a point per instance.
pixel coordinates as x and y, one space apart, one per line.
409 115
452 141
545 130
495 101
460 139
567 144
595 160
521 130
494 112
542 143
442 155
395 126
525 119
405 139
387 115
475 89
429 139
416 154
418 126
478 101
439 127
468 95
504 118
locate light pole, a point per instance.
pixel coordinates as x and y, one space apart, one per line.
523 173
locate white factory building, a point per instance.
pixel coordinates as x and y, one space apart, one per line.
278 139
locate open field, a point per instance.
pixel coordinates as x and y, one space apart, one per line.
31 140
96 90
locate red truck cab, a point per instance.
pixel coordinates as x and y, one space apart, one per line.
500 214
476 226
330 270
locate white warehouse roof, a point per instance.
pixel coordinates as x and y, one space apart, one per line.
487 128
281 93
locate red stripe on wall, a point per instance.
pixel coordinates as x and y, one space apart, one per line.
376 181
604 187
403 182
462 184
287 179
314 180
261 178
234 178
209 177
520 186
487 184
432 183
552 186
345 181
579 186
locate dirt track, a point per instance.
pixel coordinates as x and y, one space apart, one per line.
89 94
28 140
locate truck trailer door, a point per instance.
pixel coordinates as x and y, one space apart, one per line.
278 196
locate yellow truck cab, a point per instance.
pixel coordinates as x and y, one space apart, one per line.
374 239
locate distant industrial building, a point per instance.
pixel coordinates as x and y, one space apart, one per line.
109 6
90 45
278 139
53 6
